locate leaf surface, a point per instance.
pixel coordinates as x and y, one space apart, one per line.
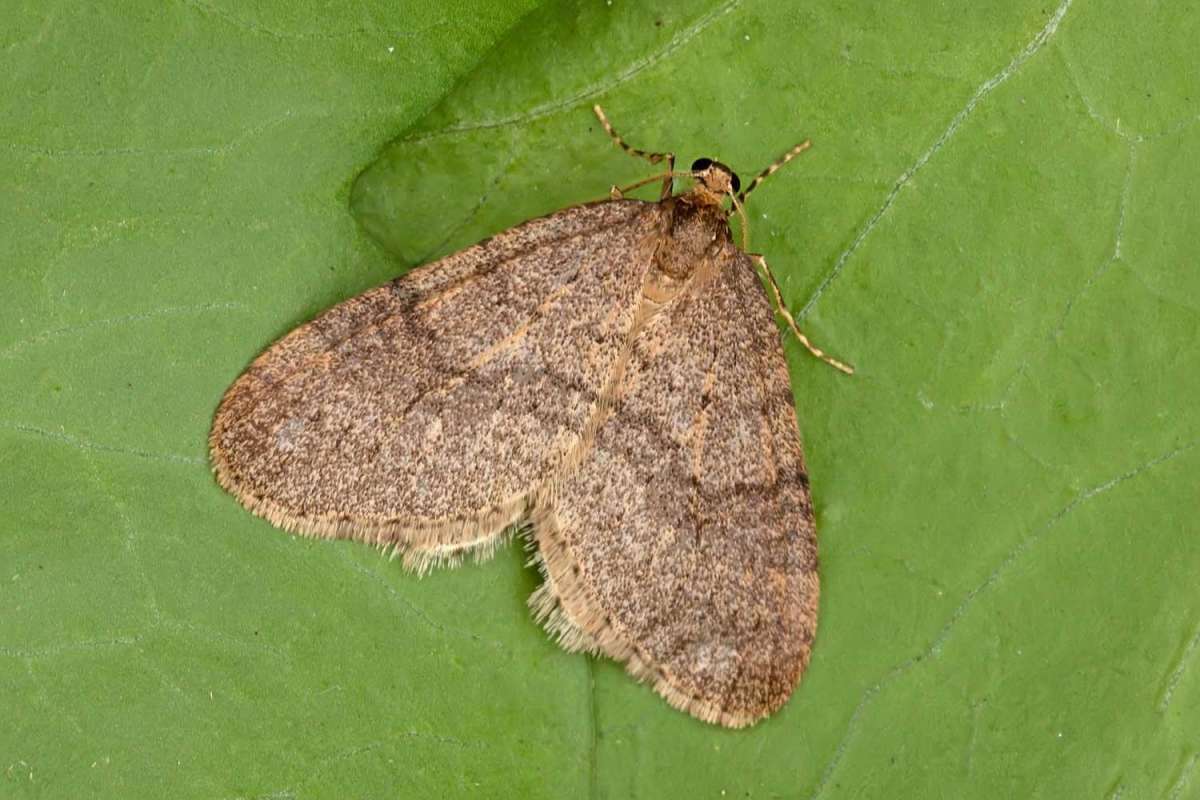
995 224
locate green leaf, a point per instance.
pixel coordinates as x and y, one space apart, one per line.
995 225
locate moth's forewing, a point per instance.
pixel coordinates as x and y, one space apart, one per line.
684 544
423 414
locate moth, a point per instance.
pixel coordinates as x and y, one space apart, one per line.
610 380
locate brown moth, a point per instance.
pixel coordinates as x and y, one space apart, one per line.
609 376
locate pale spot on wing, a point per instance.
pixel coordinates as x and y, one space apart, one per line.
714 658
285 437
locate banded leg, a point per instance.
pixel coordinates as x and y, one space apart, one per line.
761 263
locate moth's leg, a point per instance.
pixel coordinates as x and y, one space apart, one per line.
618 192
653 158
761 263
741 212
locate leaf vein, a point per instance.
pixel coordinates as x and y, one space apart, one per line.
934 649
1037 43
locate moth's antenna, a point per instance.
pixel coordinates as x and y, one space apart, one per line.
653 158
773 168
787 315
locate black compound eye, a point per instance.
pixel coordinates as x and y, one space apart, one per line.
737 182
701 164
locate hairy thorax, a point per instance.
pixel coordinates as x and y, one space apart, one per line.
696 233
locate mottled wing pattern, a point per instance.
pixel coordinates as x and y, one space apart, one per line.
422 413
684 543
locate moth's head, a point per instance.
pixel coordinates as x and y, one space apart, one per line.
714 180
